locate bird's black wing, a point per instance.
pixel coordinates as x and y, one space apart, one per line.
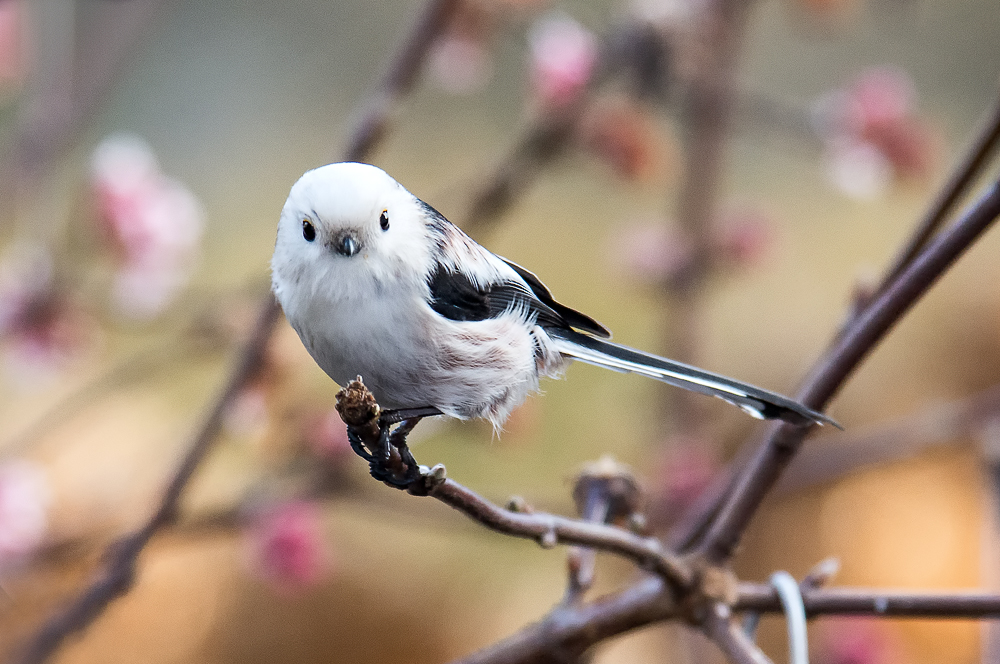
457 297
571 317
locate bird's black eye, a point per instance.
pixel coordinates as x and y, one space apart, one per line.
308 231
383 221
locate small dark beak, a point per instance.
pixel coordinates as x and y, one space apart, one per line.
346 245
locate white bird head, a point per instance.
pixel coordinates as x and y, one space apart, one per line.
352 227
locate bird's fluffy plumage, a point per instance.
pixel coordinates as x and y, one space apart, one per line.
428 317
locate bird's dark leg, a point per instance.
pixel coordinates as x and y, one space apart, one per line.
358 445
398 439
402 470
400 414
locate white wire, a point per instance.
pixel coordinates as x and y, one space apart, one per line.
790 595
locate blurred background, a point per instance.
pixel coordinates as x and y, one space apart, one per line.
146 149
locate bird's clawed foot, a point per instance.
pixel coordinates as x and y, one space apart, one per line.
370 432
391 460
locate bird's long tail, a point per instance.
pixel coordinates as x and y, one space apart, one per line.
755 401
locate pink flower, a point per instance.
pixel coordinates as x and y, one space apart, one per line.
154 224
880 96
24 501
873 135
41 329
563 55
287 548
857 168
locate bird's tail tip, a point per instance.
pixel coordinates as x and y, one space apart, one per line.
801 416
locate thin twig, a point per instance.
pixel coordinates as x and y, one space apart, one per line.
830 457
607 492
874 602
547 136
162 356
730 637
104 47
961 179
118 573
707 115
542 142
838 363
549 530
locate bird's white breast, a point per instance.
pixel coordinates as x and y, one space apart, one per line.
410 356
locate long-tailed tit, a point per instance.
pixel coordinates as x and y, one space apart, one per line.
378 283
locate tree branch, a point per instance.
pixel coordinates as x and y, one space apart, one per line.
360 411
570 629
549 530
399 80
873 602
542 142
830 457
839 362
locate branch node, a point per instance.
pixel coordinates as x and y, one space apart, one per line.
608 487
637 523
821 574
428 480
549 538
518 505
714 586
719 584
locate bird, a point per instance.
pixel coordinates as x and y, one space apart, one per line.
379 284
